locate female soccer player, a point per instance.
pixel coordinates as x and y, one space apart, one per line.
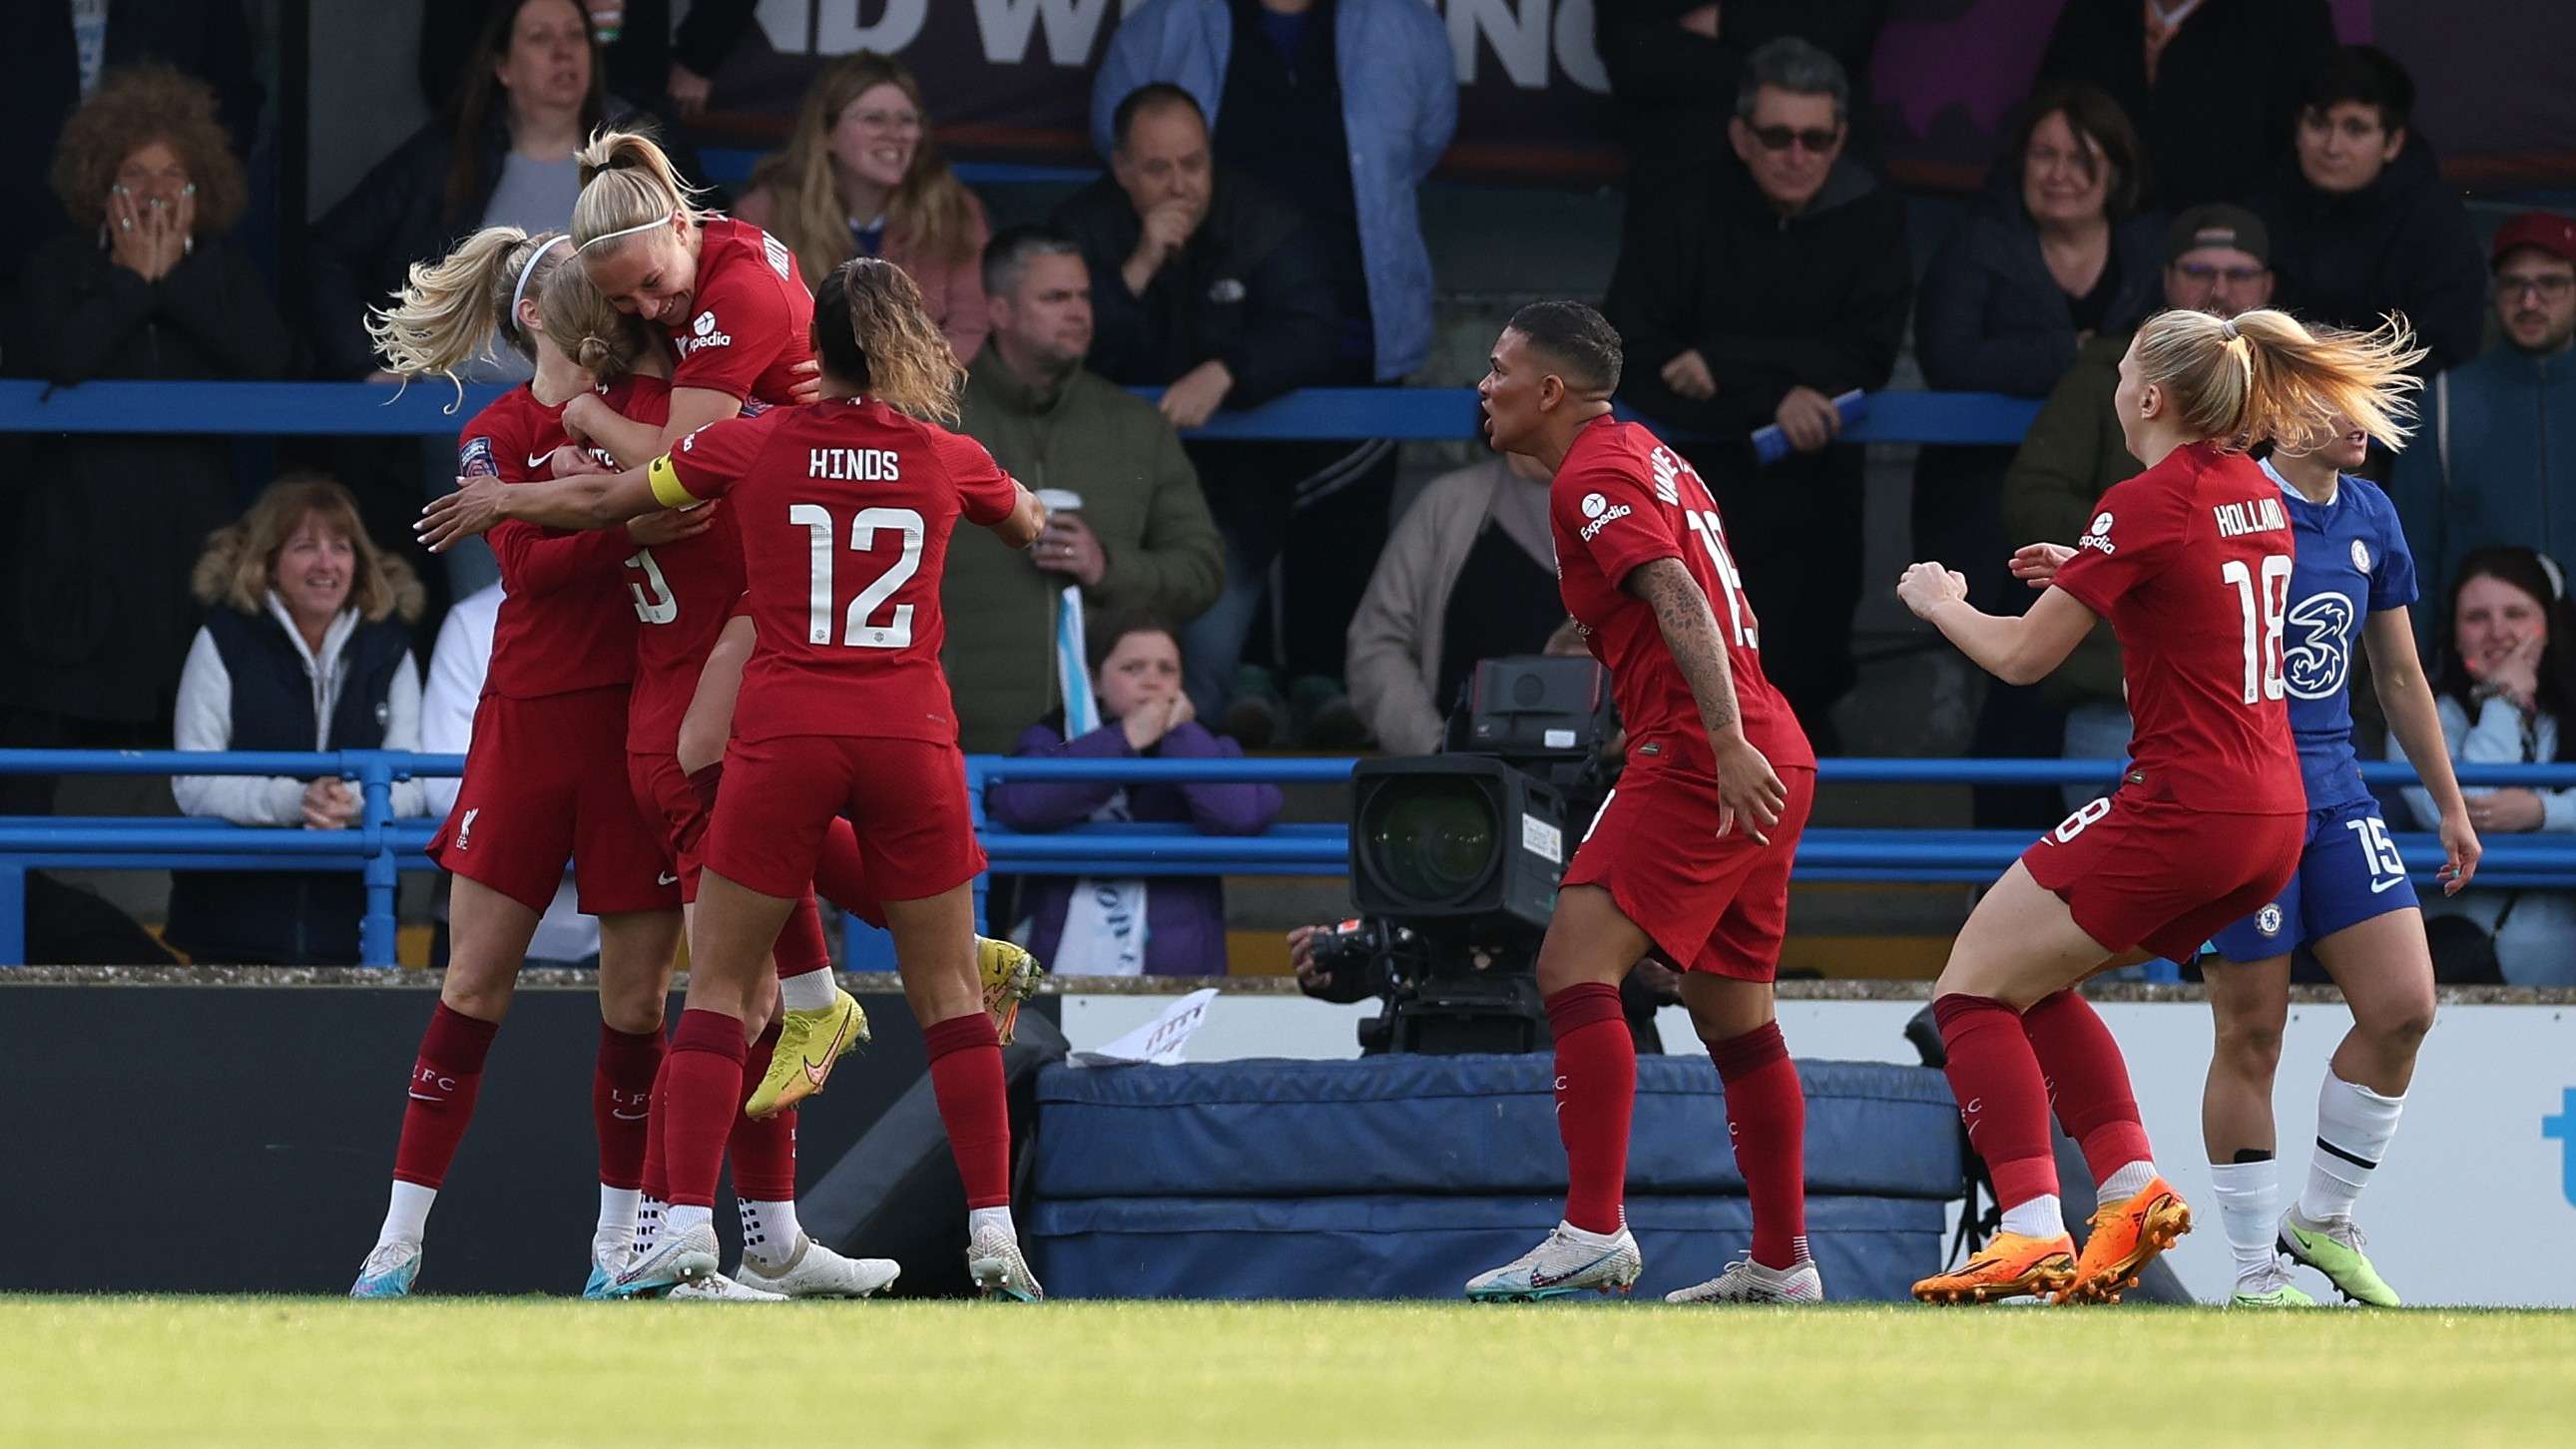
2191 561
846 509
1689 858
542 786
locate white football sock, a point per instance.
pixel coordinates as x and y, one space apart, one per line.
2128 1182
616 1230
678 1219
998 1218
2246 1194
808 991
2038 1218
407 1213
648 1224
2354 1126
769 1231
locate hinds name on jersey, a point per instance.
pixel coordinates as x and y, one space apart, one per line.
855 465
2256 516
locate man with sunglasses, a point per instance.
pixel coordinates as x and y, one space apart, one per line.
2218 259
1752 294
2494 459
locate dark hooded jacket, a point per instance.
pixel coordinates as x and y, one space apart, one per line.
2404 243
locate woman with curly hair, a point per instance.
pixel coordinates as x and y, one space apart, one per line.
861 177
144 285
305 647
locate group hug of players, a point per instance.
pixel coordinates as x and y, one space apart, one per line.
722 509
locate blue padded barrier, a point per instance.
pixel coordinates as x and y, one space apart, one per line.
1427 1247
1476 1125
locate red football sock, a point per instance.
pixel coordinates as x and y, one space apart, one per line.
700 1095
843 878
621 1101
1766 1115
2001 1095
800 946
2088 1082
444 1079
764 1149
966 1076
1596 1093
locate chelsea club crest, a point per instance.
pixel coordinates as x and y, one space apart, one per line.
2268 920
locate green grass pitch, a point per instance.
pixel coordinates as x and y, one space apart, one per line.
277 1372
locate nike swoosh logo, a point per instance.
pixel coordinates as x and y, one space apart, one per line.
538 460
628 1116
2391 883
814 1075
666 878
418 1097
1543 1280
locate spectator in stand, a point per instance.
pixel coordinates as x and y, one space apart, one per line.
1344 106
1675 66
1090 927
457 666
1142 538
1755 294
645 60
1469 573
2364 224
61 50
2217 260
2054 254
144 284
305 647
2494 461
2505 683
861 175
1204 282
2203 80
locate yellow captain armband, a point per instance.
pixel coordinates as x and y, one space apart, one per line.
667 490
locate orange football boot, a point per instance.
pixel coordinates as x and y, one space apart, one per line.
2008 1266
2127 1236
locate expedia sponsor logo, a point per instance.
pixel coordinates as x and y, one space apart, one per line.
1603 519
703 335
2099 535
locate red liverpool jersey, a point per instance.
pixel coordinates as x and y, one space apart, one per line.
1622 499
750 321
564 623
844 509
2190 561
684 593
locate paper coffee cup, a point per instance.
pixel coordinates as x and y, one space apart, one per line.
1060 500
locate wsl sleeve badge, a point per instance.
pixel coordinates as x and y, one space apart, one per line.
474 460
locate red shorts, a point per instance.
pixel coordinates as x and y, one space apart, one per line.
1720 906
663 797
905 798
545 783
2164 876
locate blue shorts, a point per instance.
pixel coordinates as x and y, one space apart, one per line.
2349 873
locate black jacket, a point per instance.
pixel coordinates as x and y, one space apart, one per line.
110 524
398 214
1676 89
1770 302
1248 289
1990 317
2402 243
286 918
2226 91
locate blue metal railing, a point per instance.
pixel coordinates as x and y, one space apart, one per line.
380 847
430 410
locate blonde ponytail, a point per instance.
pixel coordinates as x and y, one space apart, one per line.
627 185
579 319
2264 374
447 314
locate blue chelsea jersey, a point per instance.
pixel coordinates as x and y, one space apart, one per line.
2352 563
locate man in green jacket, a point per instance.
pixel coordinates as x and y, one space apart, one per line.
1142 538
2217 260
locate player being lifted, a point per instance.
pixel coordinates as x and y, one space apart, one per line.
845 510
2351 902
1689 857
2192 562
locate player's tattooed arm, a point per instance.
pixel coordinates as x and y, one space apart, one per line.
1747 787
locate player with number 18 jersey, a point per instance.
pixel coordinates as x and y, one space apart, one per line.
2191 562
845 510
1620 500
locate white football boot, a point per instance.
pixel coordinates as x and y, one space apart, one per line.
993 1260
1750 1282
1559 1266
815 1271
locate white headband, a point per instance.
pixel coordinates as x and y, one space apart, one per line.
625 231
527 270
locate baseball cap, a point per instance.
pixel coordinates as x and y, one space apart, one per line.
2546 230
2219 225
